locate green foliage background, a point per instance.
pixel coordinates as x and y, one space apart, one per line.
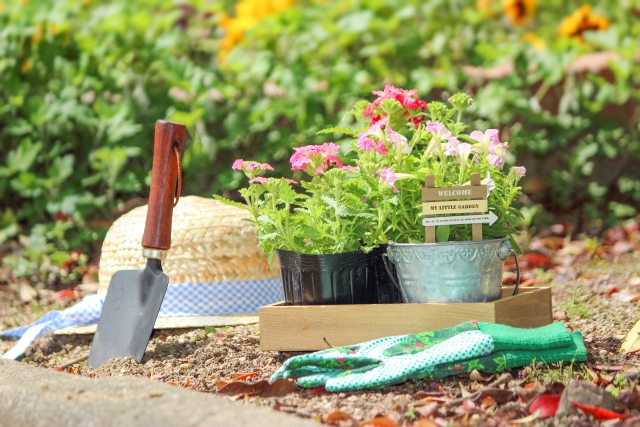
82 83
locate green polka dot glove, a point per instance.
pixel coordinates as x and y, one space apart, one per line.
471 345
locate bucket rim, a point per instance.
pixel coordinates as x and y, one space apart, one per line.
464 243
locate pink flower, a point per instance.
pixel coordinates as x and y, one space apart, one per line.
237 165
496 154
381 149
388 175
290 181
438 130
349 168
313 159
485 139
407 98
258 180
367 144
399 141
452 147
255 165
516 172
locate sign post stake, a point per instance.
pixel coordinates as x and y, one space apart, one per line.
429 231
476 229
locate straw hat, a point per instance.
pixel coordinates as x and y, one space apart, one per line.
210 242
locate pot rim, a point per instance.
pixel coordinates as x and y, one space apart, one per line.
465 243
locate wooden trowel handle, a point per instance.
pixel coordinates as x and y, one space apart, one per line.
169 139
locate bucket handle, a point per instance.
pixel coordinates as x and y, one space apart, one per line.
515 257
386 261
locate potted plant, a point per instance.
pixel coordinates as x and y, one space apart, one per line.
326 233
405 145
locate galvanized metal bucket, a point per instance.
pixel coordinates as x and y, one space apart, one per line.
451 271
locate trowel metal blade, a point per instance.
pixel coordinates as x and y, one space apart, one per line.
129 312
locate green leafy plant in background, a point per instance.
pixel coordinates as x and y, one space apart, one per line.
82 83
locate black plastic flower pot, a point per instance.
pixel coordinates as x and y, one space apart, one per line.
386 291
345 278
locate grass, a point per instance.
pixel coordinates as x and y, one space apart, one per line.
576 303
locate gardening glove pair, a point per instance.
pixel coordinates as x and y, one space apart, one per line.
471 345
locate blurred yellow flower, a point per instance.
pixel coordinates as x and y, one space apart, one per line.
483 5
37 34
519 10
534 40
26 66
248 14
580 21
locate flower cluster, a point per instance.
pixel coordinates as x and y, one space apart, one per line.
377 198
411 104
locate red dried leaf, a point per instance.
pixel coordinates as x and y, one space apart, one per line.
598 413
280 387
187 382
58 368
378 422
547 404
245 376
536 260
238 387
67 293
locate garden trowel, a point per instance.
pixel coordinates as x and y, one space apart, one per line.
134 297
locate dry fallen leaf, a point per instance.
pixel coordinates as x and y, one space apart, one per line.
526 420
530 391
280 387
378 422
631 341
339 419
238 387
624 297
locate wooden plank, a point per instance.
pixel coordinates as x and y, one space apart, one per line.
531 312
454 193
291 328
476 229
429 232
455 207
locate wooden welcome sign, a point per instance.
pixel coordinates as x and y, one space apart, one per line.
465 199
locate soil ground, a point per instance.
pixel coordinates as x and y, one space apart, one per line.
584 299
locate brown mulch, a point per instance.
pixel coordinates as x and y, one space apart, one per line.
583 299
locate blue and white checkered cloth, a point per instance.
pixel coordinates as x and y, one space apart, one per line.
184 299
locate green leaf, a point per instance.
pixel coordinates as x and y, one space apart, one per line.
442 233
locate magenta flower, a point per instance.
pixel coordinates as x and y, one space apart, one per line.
258 180
237 165
381 149
250 165
407 98
313 159
485 139
367 144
